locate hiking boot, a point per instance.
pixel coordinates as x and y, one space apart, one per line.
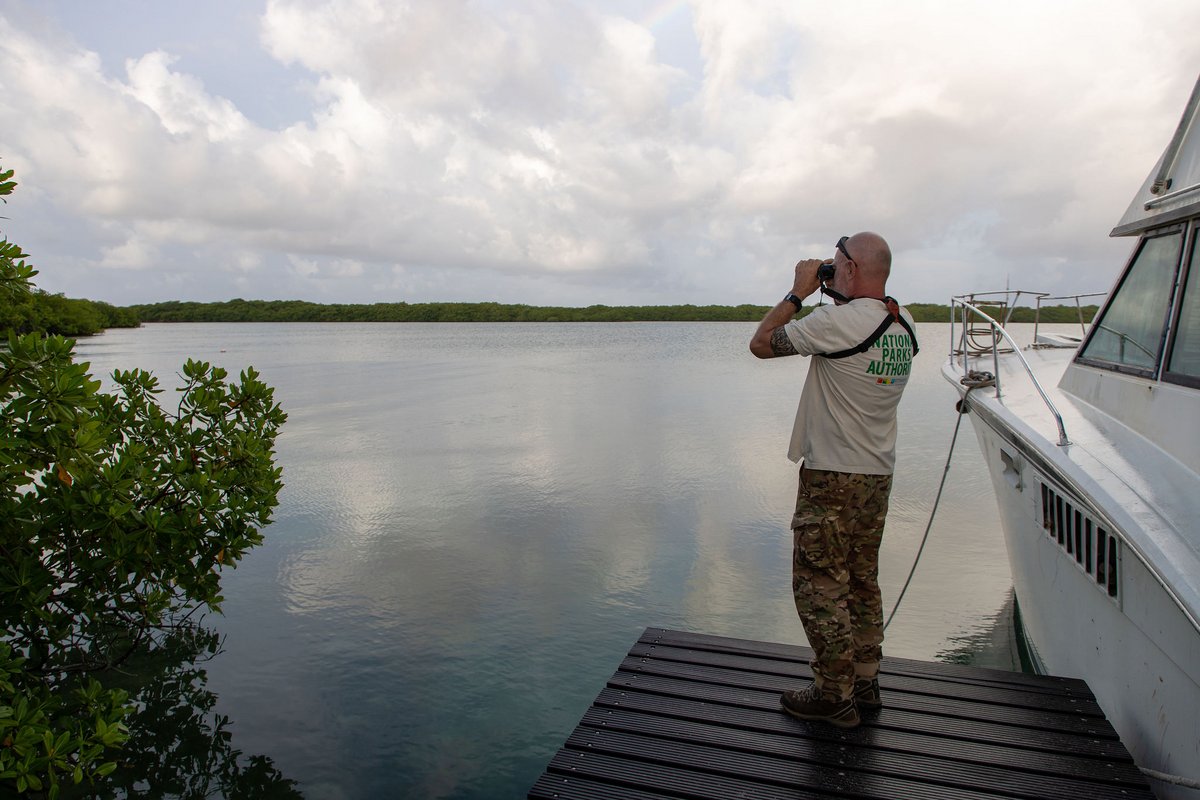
809 704
866 693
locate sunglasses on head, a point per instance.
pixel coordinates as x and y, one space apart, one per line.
841 245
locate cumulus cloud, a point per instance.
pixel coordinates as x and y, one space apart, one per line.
134 253
180 102
538 152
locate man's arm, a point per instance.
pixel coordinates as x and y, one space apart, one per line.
771 340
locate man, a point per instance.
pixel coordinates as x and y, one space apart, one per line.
845 437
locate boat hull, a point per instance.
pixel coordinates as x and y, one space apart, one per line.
1111 622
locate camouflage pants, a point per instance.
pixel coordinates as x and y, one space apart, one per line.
837 529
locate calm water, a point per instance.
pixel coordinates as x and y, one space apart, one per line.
479 520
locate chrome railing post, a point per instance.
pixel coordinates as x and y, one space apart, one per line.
996 359
998 332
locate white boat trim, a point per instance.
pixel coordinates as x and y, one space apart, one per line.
1046 462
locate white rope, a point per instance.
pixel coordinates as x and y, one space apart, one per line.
1177 780
973 380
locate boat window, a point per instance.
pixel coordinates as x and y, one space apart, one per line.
1185 352
1130 332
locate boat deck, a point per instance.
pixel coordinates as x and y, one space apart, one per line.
696 716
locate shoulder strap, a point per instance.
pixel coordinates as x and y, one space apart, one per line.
893 316
894 310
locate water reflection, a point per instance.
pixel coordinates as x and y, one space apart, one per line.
179 746
478 521
990 643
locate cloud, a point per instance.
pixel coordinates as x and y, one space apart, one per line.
180 102
338 269
534 152
135 253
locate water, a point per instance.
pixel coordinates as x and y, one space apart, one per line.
479 520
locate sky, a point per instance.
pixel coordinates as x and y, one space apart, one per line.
578 152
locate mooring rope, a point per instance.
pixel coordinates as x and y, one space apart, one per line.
973 380
1166 777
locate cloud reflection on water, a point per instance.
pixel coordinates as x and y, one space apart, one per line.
479 519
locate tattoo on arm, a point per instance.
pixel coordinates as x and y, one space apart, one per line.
781 345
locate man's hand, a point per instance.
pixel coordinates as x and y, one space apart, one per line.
770 340
806 281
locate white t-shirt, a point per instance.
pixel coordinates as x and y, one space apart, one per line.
846 421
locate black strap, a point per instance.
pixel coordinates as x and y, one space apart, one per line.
894 310
893 316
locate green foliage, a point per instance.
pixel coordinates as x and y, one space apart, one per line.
300 311
27 309
50 734
41 312
1055 314
117 516
239 310
178 745
928 312
1044 315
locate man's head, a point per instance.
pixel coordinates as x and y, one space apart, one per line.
862 263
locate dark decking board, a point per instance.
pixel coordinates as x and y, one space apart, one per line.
690 715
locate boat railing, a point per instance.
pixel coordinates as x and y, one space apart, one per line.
1041 296
970 324
1124 339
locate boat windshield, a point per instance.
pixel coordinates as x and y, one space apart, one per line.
1131 332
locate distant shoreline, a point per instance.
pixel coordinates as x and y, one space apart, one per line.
301 311
56 314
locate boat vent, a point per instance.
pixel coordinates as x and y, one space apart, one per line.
1093 548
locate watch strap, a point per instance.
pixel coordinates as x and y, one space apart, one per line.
796 301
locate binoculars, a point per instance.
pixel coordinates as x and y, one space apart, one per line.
825 272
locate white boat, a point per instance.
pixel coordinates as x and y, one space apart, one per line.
1093 446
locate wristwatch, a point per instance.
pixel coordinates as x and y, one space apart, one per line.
796 301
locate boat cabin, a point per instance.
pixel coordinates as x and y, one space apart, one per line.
1140 362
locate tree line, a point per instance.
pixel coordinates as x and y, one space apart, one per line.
53 314
239 310
38 311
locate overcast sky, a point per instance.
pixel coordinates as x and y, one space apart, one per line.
571 152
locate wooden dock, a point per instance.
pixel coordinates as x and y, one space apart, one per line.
695 716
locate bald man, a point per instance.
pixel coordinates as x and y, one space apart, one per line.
845 440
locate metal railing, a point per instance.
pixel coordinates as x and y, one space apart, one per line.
975 319
1123 339
1078 305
